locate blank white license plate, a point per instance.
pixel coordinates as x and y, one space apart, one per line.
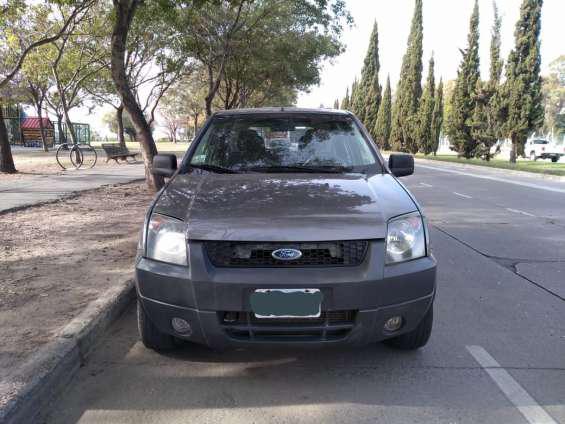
286 303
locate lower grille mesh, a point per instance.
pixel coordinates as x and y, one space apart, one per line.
250 254
330 326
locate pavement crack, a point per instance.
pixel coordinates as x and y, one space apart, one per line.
510 264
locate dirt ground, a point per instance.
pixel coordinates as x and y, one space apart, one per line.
56 258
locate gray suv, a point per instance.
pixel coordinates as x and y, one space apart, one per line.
284 226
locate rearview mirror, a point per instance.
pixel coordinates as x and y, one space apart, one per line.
164 165
401 164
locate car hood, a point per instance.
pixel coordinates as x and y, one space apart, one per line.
284 207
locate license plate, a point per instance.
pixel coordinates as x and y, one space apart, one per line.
286 303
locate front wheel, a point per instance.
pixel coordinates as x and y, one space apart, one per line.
150 335
554 159
418 337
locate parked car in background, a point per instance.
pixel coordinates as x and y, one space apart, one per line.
310 240
539 148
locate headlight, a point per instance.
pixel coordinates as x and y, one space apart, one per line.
405 238
166 240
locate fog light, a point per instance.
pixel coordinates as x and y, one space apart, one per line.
181 326
393 324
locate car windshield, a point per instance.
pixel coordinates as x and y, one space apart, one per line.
311 143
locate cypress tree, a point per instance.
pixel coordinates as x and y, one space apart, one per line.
353 99
336 104
382 126
345 100
370 90
425 113
523 109
486 123
460 119
409 89
437 118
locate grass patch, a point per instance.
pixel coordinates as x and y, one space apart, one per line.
538 167
162 147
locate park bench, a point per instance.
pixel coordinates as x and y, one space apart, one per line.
115 151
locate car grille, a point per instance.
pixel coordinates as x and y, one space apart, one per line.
330 326
250 254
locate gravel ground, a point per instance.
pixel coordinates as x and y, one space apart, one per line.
56 258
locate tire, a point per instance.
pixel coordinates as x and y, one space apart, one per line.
150 335
418 337
533 156
554 159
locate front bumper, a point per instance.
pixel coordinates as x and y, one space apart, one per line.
370 293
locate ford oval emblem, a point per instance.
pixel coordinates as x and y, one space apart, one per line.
286 254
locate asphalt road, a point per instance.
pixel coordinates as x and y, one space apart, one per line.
497 353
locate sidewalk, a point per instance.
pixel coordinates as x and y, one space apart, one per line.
43 188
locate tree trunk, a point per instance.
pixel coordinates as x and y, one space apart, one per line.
39 109
62 136
195 124
513 152
6 159
125 11
120 122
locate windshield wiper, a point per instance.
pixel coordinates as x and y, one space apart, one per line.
306 169
214 168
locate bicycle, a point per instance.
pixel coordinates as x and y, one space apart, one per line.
79 155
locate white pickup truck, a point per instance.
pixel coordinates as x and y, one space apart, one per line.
539 148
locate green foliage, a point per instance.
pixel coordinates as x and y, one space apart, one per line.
523 111
369 97
353 101
437 118
409 89
460 118
554 98
486 125
345 101
425 113
382 126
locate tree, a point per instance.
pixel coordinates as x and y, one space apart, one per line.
336 104
168 65
113 125
370 93
425 113
486 123
35 84
228 39
459 123
382 126
554 98
353 100
16 44
523 111
345 100
437 118
409 89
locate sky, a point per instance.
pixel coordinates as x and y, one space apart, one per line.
446 24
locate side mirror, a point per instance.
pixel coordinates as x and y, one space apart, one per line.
164 165
400 164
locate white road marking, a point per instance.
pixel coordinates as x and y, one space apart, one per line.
502 180
426 185
520 212
515 393
462 195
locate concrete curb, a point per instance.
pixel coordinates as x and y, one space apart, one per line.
526 174
25 395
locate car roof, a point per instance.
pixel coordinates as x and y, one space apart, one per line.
282 111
